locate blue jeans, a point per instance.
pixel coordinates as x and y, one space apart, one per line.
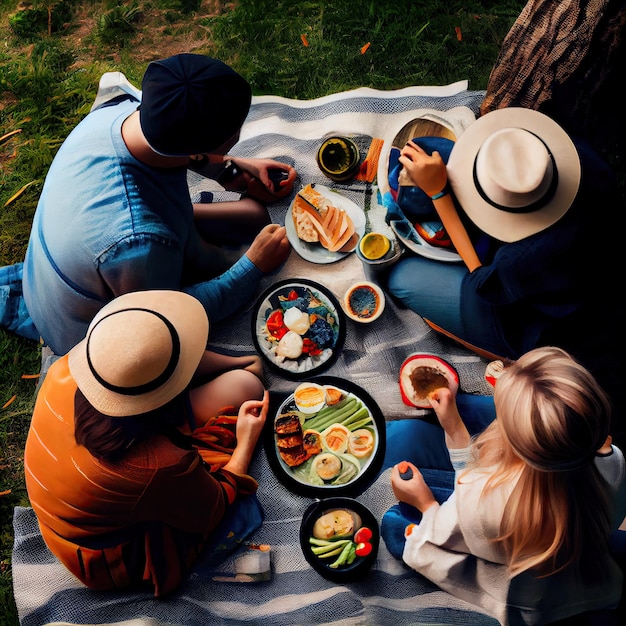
422 442
430 288
14 316
433 289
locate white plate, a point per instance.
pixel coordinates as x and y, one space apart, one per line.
420 247
425 249
315 252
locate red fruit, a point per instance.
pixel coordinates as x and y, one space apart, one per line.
421 375
363 549
362 535
275 324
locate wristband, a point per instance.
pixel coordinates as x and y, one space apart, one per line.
441 194
229 172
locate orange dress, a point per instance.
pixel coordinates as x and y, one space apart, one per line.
141 519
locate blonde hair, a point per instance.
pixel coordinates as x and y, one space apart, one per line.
552 416
422 127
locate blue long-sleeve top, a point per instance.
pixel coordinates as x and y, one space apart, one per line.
107 224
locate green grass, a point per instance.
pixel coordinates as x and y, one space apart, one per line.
48 81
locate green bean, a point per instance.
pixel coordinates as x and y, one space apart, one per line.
341 559
350 408
327 542
355 417
329 555
323 424
352 555
327 552
330 408
336 418
364 422
319 423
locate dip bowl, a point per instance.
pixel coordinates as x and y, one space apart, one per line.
364 302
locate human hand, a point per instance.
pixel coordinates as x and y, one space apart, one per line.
270 248
443 402
261 186
427 172
250 421
414 491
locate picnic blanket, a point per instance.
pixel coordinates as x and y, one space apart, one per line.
291 131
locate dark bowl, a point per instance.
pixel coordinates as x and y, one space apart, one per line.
342 573
338 158
293 480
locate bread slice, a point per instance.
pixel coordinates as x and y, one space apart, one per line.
316 220
307 199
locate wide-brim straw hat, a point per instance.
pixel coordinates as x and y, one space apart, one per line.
514 172
141 350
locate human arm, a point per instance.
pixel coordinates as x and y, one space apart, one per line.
152 263
250 422
270 248
215 363
225 294
444 404
452 547
185 494
413 491
429 173
246 175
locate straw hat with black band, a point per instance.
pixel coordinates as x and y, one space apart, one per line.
515 172
141 350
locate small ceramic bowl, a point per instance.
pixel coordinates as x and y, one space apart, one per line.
320 520
364 302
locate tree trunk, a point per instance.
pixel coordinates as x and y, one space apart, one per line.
564 58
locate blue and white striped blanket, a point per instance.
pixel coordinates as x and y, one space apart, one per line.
291 131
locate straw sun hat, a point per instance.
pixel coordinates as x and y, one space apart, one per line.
514 172
141 350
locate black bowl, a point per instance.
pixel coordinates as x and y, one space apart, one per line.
343 573
294 481
312 297
338 158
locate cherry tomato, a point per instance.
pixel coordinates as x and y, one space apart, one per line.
362 535
276 325
364 548
310 347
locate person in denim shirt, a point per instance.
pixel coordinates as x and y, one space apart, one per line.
115 214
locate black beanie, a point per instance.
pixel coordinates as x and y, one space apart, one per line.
191 104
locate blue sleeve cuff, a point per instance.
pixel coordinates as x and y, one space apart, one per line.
224 295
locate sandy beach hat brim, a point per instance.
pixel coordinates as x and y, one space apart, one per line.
502 224
141 350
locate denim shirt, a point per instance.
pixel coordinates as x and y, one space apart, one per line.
107 224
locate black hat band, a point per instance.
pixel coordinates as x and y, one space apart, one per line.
157 382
